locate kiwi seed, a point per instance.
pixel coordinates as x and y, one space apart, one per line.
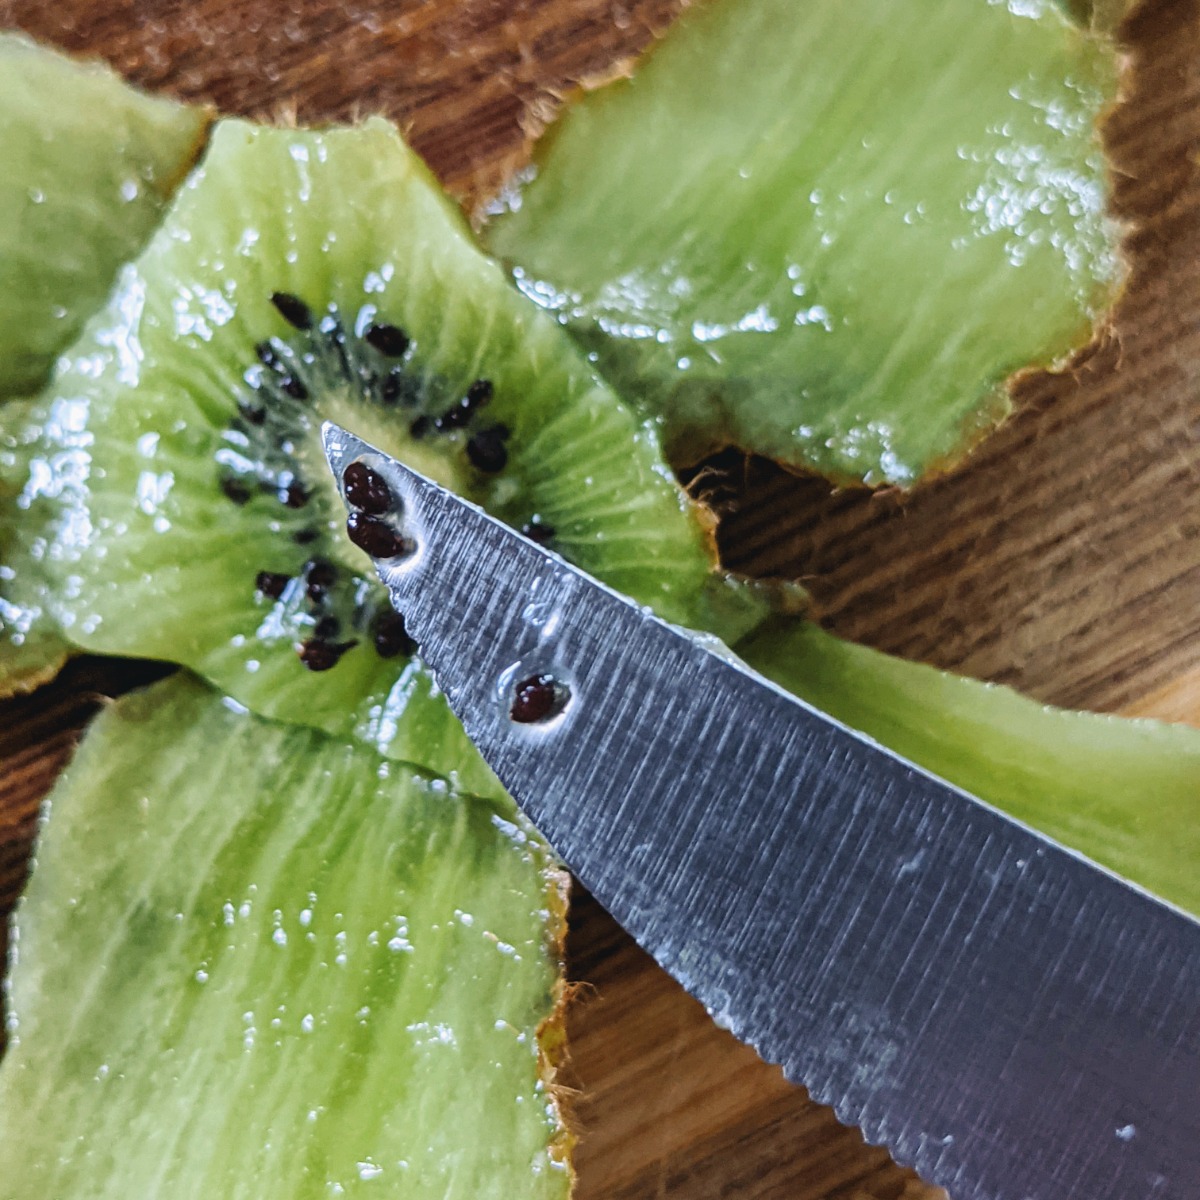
327 628
487 451
319 577
459 415
387 339
292 309
536 698
390 636
366 489
538 531
272 583
295 495
236 490
318 655
374 536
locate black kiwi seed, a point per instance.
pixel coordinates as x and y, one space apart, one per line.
387 339
272 583
454 418
366 489
295 495
374 536
390 636
236 490
292 309
327 628
318 655
460 414
479 393
266 354
319 578
536 698
252 413
538 531
294 388
305 537
420 427
487 451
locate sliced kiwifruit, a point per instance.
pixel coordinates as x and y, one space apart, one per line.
88 166
186 505
1124 792
31 650
829 232
254 961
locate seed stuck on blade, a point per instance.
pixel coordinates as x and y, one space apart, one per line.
366 489
537 699
376 537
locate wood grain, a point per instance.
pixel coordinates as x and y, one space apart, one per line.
1063 557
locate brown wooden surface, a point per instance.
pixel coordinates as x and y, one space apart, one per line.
1065 557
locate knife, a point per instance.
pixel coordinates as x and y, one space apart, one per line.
1012 1020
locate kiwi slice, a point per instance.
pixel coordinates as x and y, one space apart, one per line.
179 488
89 164
31 651
827 233
1124 792
257 961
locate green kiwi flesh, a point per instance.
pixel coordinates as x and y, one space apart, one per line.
31 650
179 489
257 962
1124 792
89 164
828 233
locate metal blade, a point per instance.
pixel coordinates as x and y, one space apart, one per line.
1005 1016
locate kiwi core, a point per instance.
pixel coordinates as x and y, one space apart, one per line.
363 373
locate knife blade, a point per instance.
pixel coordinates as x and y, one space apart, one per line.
1007 1017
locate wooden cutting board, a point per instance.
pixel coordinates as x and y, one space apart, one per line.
1063 558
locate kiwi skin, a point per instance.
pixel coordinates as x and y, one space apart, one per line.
31 650
89 165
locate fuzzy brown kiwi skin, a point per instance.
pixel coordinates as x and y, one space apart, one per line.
26 680
552 1041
